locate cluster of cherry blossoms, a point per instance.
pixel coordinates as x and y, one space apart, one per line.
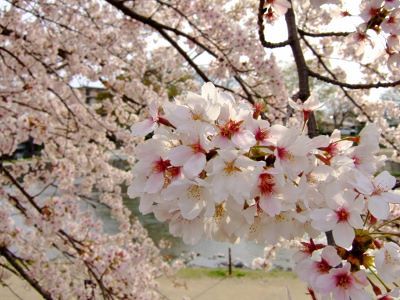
380 25
376 32
333 271
213 168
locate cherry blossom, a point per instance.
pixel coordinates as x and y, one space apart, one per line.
310 270
148 125
278 6
342 217
343 284
378 192
387 262
310 105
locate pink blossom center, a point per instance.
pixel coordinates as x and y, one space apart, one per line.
311 247
357 160
342 215
174 171
323 266
361 37
161 165
373 11
343 281
270 15
332 149
345 13
391 20
266 184
197 148
261 134
258 109
230 128
283 154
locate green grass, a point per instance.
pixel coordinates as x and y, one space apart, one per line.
395 173
194 273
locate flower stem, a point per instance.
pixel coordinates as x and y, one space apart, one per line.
388 222
380 280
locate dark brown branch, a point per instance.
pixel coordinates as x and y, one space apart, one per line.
107 293
156 25
17 59
260 22
34 283
302 69
41 17
184 55
301 66
20 188
322 34
353 86
245 89
161 29
345 92
397 185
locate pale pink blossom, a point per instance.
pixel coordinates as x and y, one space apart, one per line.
310 269
378 192
392 23
391 3
149 124
342 217
278 6
343 284
292 149
387 262
233 132
307 107
371 9
233 175
268 190
191 155
194 197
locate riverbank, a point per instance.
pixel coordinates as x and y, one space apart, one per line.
202 284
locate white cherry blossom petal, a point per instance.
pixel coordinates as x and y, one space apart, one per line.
323 219
244 139
190 208
392 197
271 205
195 164
145 205
385 181
179 155
155 183
330 255
325 283
355 220
362 183
343 234
143 128
319 142
378 207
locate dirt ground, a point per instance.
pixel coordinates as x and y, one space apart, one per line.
198 289
235 289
